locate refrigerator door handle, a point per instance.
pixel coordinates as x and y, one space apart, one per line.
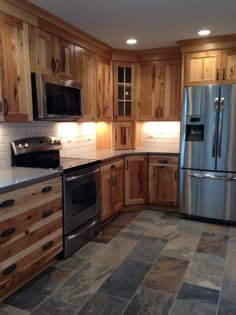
197 175
222 103
216 105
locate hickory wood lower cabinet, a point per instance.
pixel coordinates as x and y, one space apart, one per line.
163 180
30 232
112 185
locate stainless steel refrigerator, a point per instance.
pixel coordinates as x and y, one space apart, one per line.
208 152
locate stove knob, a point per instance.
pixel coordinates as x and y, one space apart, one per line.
20 146
26 145
59 142
55 142
51 142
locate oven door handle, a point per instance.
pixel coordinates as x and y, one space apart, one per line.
73 178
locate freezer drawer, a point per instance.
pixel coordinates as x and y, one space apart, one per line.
208 194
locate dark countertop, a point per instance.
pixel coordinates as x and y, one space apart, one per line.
17 177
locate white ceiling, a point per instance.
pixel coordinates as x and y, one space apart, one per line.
155 23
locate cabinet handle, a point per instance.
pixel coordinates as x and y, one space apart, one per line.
223 74
47 245
54 65
8 232
115 181
59 66
156 111
47 213
153 77
163 161
7 203
217 74
113 166
1 107
46 189
161 111
175 176
99 112
127 165
9 270
6 107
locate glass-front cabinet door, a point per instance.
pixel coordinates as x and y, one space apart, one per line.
124 91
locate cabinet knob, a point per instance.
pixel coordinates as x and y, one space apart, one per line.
7 203
8 232
217 74
46 189
223 74
9 270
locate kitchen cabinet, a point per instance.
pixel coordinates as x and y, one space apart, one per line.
135 179
127 135
163 180
104 104
51 55
112 186
228 66
15 80
125 88
30 232
84 73
159 90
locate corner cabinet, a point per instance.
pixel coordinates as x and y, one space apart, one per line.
135 180
15 79
104 103
163 180
159 90
112 185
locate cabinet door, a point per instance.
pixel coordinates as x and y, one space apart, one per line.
124 135
148 75
163 184
107 183
17 103
84 73
103 89
228 66
64 57
118 188
42 52
170 86
202 68
135 180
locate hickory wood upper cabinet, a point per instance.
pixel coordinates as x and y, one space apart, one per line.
103 77
228 65
112 186
163 180
125 88
51 55
159 90
15 80
84 65
135 179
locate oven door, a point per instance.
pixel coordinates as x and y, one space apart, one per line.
81 198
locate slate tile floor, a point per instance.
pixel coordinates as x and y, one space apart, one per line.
145 262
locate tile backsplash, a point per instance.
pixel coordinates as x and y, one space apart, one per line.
77 138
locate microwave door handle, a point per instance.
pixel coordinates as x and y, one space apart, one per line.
222 103
216 107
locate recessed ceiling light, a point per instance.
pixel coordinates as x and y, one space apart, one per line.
131 41
204 32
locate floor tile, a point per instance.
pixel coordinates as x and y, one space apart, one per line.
182 246
125 218
194 300
165 231
166 275
205 271
54 307
217 229
126 279
227 304
83 284
213 244
108 233
150 302
118 250
131 233
101 304
34 292
11 310
148 249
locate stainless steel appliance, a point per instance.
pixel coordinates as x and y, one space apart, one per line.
56 99
208 152
81 187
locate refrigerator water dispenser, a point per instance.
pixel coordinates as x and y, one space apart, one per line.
194 128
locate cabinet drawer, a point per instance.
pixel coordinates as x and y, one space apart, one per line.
112 165
163 160
22 200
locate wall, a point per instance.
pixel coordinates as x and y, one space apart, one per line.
161 136
77 138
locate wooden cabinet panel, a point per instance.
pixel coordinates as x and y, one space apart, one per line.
65 58
84 73
107 195
202 68
16 104
228 65
118 188
124 135
104 104
135 180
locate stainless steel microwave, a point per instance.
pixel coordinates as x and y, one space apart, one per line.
56 99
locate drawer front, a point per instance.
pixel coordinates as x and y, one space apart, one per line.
163 160
112 165
22 200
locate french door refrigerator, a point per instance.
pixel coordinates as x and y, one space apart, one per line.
208 152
